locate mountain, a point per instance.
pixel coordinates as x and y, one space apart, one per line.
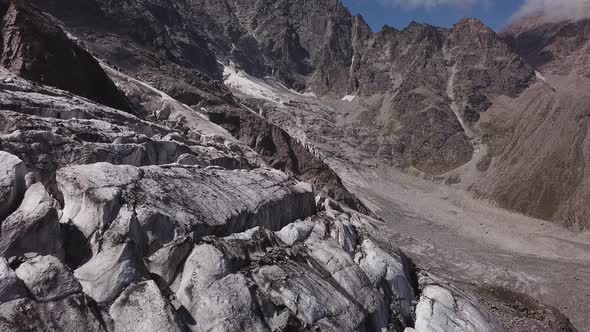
555 47
176 165
537 162
417 76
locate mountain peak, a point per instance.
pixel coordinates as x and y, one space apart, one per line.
472 25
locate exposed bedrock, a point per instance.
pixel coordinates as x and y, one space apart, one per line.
36 48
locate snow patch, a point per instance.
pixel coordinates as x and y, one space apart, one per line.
348 98
262 88
540 76
249 85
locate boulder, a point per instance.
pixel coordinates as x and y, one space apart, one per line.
48 279
72 313
11 288
441 310
109 272
142 307
166 262
33 227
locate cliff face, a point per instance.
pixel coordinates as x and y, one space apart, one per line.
35 48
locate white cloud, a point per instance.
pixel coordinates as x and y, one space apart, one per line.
429 4
555 10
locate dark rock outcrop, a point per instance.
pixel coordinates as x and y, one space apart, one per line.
34 47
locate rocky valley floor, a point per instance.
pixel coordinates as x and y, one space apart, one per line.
492 251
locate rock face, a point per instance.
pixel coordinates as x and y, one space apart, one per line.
531 166
33 227
12 183
35 48
552 46
524 172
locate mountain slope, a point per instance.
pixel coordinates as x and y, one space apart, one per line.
320 47
554 47
35 48
538 142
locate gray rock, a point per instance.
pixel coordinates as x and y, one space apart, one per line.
109 272
33 227
142 307
440 310
166 262
72 313
48 279
382 268
226 304
11 288
12 183
125 228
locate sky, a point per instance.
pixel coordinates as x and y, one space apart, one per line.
399 13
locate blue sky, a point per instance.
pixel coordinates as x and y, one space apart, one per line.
399 13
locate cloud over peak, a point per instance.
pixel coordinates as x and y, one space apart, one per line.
556 10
